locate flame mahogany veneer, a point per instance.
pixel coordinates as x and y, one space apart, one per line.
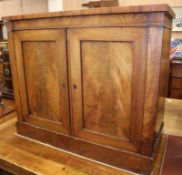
93 82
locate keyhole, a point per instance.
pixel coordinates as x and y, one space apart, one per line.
74 86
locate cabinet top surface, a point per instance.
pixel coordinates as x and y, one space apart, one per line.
97 11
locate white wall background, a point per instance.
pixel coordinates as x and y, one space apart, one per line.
18 7
55 5
77 4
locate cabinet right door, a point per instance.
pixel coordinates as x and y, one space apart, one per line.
107 68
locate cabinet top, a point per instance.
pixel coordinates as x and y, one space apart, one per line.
97 11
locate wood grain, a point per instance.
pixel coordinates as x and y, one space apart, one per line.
163 80
176 93
23 156
15 75
42 70
157 19
103 109
20 155
102 71
42 79
106 10
173 117
177 83
151 89
175 79
109 68
9 107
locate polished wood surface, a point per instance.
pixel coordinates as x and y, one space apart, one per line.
109 116
100 106
45 101
121 20
158 161
163 80
173 117
175 81
20 155
101 91
6 107
106 10
41 78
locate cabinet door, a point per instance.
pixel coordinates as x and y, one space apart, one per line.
107 84
42 73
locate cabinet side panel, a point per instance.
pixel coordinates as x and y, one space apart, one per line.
16 90
164 77
151 89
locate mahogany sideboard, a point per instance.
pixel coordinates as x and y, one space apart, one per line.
93 82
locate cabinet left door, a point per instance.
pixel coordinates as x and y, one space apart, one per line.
40 66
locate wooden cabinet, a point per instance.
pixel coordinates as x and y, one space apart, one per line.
175 83
93 82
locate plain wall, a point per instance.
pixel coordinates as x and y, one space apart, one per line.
17 7
34 6
147 2
77 4
55 5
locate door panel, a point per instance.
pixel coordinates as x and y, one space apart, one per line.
42 80
104 100
107 77
41 60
